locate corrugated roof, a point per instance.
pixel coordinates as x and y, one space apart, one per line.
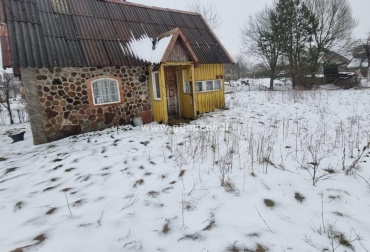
68 33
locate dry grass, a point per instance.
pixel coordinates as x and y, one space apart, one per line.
145 143
138 182
18 206
193 237
166 228
269 203
210 226
153 194
49 188
299 197
51 211
235 248
79 203
9 170
39 239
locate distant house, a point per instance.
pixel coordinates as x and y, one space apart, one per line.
91 64
334 64
359 61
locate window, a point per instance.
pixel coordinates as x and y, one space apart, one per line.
187 89
199 86
209 85
156 86
105 91
217 84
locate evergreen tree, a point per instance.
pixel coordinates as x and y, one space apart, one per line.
296 26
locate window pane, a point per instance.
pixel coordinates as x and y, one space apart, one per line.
217 84
199 86
156 86
187 88
209 85
105 91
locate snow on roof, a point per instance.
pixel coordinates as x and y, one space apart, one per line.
143 48
355 62
365 64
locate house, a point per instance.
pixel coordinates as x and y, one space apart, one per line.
360 61
88 65
334 64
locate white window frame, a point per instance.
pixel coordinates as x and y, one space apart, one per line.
207 88
108 89
155 88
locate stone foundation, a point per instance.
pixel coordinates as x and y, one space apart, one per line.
60 102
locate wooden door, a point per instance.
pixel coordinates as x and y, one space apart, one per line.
172 92
186 93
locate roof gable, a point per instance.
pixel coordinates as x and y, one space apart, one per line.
66 33
178 44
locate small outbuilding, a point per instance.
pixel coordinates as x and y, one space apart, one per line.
88 65
360 60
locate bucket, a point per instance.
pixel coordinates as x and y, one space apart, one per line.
137 121
17 137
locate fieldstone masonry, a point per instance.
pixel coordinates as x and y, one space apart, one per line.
60 102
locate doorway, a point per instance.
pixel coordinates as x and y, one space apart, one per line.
172 92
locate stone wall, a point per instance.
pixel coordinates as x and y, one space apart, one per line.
60 100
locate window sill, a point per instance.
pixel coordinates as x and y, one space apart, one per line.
209 91
106 104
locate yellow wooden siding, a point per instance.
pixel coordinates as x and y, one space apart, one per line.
204 102
212 100
159 107
186 100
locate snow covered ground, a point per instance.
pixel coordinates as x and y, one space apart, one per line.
282 84
234 180
262 84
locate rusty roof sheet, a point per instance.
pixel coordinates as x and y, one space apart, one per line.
71 33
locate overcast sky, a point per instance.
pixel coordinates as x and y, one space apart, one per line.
235 12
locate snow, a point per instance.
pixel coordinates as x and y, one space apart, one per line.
143 48
317 76
365 64
158 188
257 85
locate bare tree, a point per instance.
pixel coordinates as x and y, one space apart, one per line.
6 88
209 12
334 32
240 69
260 39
